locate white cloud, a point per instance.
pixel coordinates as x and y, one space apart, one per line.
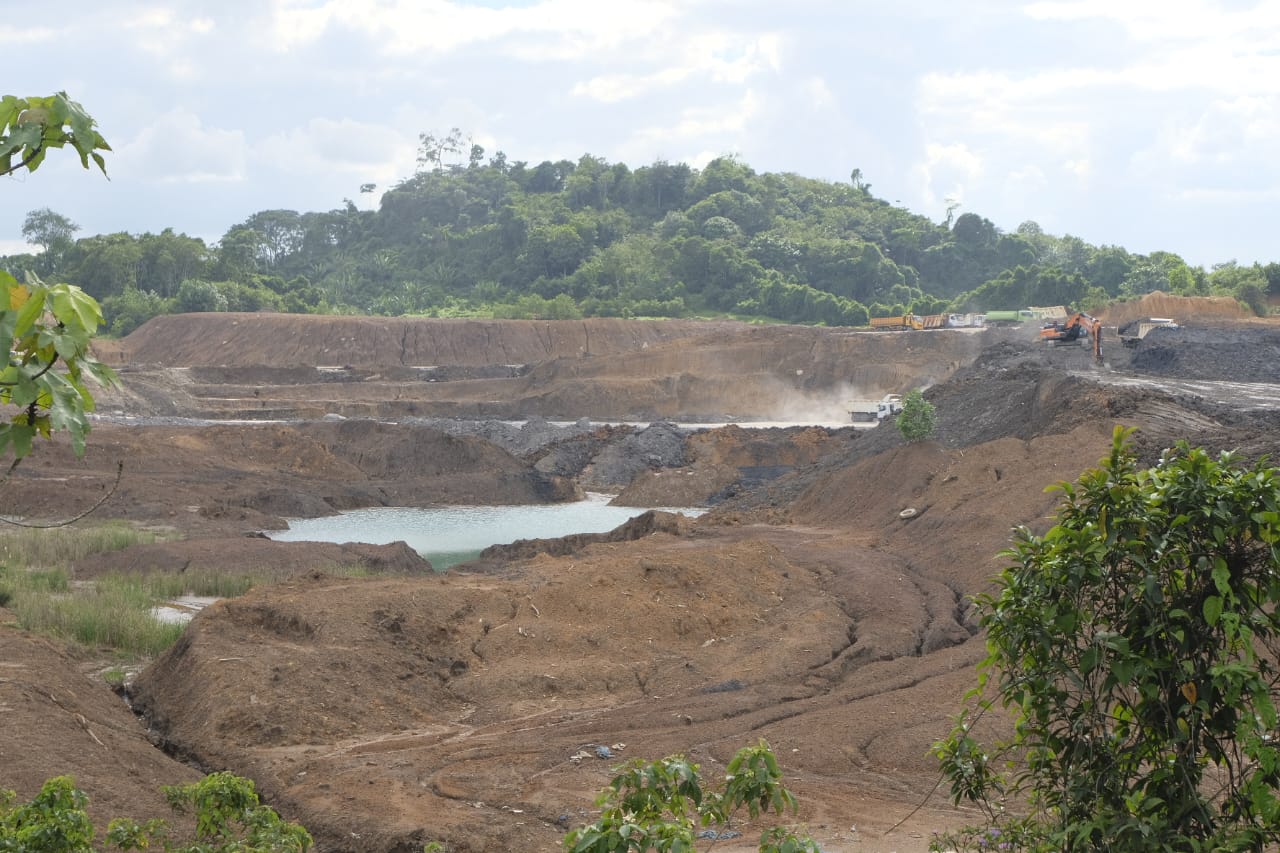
25 35
567 28
1030 178
697 128
365 152
733 59
1079 168
1227 196
154 18
1185 43
1048 109
1165 20
168 37
1221 151
612 88
944 173
178 148
17 247
1188 98
819 93
716 57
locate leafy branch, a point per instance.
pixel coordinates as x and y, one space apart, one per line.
47 325
29 127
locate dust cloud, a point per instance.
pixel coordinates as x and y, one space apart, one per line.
829 407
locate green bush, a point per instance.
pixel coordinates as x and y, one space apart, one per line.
659 806
1134 643
229 819
918 418
128 310
53 822
197 295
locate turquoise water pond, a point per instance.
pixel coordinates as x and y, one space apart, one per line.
450 535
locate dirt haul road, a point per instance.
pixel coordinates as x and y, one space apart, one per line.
470 707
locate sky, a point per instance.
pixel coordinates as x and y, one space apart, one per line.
1148 124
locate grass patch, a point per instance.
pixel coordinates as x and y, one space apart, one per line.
212 584
113 612
59 547
115 615
46 580
115 677
163 586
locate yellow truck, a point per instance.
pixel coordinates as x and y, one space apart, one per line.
902 322
896 323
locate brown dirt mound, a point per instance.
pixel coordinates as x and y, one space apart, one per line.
969 498
1184 309
254 557
730 460
645 524
57 720
243 478
454 707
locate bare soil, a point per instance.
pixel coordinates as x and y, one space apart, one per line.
470 706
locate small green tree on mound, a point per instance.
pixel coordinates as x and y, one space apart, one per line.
1136 644
918 418
659 806
229 819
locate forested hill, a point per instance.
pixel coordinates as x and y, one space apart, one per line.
591 238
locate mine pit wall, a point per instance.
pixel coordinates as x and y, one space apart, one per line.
250 366
249 340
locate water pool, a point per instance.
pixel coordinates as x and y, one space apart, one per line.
450 535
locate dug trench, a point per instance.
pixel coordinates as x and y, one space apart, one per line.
469 707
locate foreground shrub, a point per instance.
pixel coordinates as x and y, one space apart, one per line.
1136 644
229 817
659 806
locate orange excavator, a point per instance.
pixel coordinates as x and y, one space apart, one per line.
1070 331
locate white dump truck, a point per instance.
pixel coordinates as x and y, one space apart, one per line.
875 411
1132 333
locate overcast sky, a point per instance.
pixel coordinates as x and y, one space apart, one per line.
1151 124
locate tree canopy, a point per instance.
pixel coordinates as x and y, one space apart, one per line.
470 236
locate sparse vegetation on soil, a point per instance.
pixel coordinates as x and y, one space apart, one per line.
386 712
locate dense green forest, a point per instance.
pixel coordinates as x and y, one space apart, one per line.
466 236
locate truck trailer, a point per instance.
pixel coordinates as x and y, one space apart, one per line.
875 411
